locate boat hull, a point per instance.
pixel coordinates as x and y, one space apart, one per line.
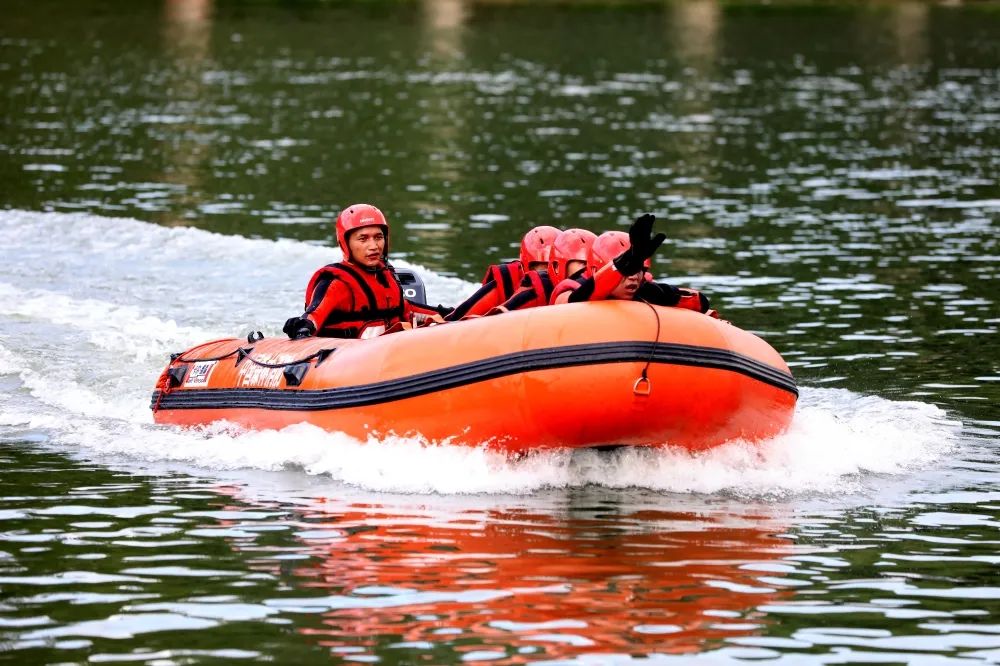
578 375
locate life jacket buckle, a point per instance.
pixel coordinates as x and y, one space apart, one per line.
642 387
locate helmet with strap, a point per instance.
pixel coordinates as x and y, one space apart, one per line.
570 245
535 245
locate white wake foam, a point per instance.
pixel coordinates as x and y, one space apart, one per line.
822 453
86 326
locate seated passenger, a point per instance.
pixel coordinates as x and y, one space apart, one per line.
568 256
359 296
502 281
568 259
616 269
535 290
537 285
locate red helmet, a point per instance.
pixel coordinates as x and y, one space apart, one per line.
535 245
357 216
570 245
609 245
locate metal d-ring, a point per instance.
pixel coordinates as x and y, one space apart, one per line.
642 386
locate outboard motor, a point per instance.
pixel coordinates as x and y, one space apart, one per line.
413 286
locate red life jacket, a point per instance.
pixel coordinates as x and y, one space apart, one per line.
500 283
507 277
536 289
368 309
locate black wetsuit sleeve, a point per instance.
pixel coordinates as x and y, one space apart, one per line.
319 292
463 308
518 300
658 293
442 310
705 304
583 293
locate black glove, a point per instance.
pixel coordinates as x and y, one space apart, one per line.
443 310
705 304
642 245
298 327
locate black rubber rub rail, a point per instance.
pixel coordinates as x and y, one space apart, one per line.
476 371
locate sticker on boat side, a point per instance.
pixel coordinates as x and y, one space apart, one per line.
263 370
199 374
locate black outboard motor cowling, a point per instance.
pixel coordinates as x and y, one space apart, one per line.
413 286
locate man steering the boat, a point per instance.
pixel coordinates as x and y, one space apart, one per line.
617 268
359 297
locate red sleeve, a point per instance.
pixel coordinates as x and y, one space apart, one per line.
606 279
337 296
596 287
692 299
486 298
409 308
486 301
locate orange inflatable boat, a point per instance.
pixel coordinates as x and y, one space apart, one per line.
578 375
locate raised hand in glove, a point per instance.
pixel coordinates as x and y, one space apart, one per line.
299 327
642 245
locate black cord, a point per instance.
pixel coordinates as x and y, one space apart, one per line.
262 364
181 359
652 347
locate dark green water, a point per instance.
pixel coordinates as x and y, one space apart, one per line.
827 173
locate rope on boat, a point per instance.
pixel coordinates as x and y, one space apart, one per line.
643 386
294 370
244 354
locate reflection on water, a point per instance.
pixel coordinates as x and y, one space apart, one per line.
187 37
910 22
126 566
693 32
444 22
593 577
187 29
437 579
442 131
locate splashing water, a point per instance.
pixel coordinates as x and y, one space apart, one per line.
85 328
